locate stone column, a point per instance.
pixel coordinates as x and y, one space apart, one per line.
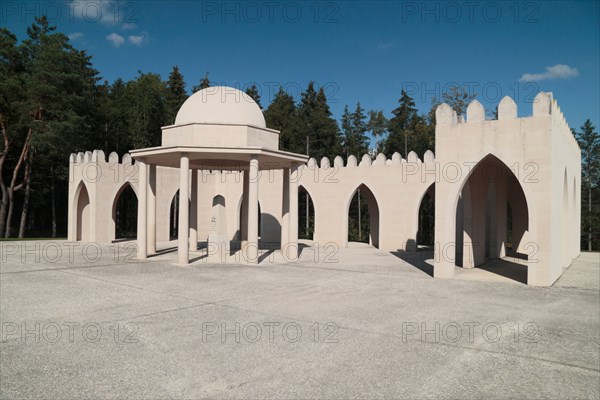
252 245
183 252
501 215
151 239
244 211
142 211
194 212
293 214
285 211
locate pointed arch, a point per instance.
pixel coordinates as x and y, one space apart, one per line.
307 214
241 222
82 212
124 216
363 193
481 212
424 215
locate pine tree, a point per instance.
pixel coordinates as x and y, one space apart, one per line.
316 124
175 95
377 125
252 91
204 83
282 115
589 141
402 125
359 128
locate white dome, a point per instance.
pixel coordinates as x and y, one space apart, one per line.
220 105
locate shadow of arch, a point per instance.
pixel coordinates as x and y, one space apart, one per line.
426 218
83 213
174 216
362 224
482 219
307 212
241 233
124 212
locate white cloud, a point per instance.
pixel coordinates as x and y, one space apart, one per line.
137 40
128 26
116 39
558 71
74 36
385 46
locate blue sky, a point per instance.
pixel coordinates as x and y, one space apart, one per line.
357 50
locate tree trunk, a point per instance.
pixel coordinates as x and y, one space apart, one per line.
53 202
3 189
589 215
37 116
27 182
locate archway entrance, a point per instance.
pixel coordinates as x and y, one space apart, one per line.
306 215
124 213
492 221
426 219
84 214
363 217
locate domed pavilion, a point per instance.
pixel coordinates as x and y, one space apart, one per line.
218 128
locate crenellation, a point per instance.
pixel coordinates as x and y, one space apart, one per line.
325 163
507 108
98 156
352 161
126 159
113 158
338 161
396 159
413 157
445 115
380 159
429 157
365 161
475 112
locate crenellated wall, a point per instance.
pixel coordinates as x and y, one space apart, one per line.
539 151
540 177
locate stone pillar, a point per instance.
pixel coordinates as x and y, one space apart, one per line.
151 239
501 215
194 212
142 211
285 210
293 214
468 255
252 245
244 211
183 251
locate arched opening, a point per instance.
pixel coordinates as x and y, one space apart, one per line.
363 217
306 215
242 222
218 221
124 213
426 219
84 214
492 221
174 216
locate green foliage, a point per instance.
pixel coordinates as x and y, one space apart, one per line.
204 83
282 115
589 141
252 91
175 95
320 130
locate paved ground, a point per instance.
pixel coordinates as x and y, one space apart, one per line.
365 324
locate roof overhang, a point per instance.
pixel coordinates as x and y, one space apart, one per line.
218 158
